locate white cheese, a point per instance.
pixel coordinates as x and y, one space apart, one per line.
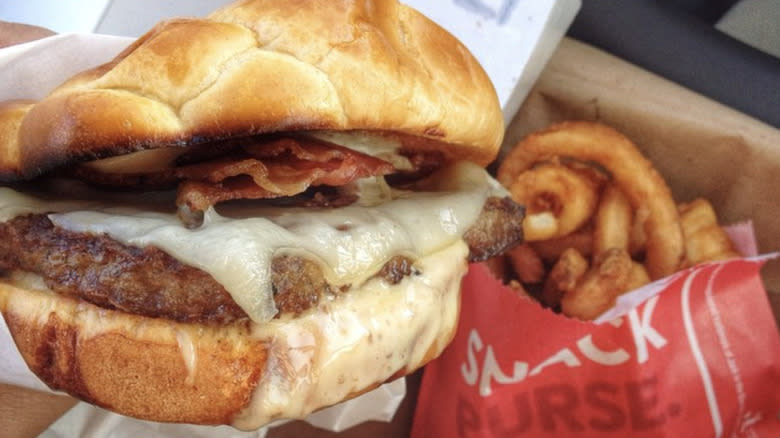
357 340
236 244
384 148
149 160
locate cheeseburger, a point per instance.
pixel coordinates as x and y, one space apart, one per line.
250 216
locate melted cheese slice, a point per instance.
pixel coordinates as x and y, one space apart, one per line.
236 245
357 340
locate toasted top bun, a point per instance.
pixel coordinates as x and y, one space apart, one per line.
261 66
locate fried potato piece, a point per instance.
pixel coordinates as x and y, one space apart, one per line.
613 220
705 240
551 250
527 264
627 234
638 237
558 200
563 277
638 277
609 277
629 169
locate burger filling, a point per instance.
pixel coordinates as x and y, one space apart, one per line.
258 232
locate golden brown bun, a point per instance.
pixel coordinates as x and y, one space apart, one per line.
258 66
160 370
11 115
131 365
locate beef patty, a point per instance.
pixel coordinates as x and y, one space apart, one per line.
149 282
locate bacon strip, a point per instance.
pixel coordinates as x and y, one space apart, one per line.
283 167
245 169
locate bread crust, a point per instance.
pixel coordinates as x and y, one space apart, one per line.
11 115
260 66
130 364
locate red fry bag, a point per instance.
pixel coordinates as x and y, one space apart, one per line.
701 358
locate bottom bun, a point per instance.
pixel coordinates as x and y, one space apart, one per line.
245 375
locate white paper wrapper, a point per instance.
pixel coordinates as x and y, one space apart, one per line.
31 70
